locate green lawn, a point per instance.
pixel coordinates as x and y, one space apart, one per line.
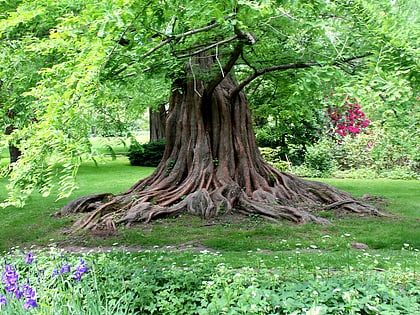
34 224
229 263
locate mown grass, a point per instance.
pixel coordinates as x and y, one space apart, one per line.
34 224
227 265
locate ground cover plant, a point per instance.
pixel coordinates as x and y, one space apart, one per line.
164 282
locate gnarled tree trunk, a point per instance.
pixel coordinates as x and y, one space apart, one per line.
211 164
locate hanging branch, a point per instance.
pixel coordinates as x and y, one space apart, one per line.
122 36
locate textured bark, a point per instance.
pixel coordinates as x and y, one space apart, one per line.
157 123
212 164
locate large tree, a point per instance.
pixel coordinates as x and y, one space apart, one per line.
206 53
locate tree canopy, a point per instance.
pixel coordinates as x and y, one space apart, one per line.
73 64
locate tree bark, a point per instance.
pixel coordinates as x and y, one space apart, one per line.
212 164
157 123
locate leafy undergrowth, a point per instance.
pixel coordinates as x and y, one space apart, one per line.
168 282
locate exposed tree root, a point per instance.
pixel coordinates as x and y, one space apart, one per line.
212 165
303 200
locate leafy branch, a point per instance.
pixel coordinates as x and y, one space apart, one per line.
299 65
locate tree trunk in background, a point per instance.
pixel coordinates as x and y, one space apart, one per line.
157 123
212 165
14 151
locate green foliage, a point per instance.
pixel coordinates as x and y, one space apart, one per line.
274 157
288 142
161 282
147 154
355 152
73 64
320 160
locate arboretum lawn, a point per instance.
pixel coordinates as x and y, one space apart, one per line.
35 224
222 266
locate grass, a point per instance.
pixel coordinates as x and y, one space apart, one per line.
229 263
34 224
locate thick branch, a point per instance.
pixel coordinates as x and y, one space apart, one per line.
261 72
226 69
244 38
300 65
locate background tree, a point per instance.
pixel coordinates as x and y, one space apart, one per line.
204 55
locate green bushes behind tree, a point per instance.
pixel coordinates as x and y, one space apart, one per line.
146 154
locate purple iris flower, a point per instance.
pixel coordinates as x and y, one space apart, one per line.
29 258
10 275
10 278
80 270
30 303
18 293
65 268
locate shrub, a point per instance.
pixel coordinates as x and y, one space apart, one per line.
147 154
273 157
354 152
319 159
288 140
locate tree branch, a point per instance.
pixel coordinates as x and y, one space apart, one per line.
257 73
173 37
197 52
168 40
244 38
226 69
261 72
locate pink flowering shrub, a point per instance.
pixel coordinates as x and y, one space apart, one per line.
346 119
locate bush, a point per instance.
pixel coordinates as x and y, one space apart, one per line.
319 159
354 152
288 141
147 154
273 157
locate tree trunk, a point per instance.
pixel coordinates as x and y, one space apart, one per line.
157 123
212 164
14 151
